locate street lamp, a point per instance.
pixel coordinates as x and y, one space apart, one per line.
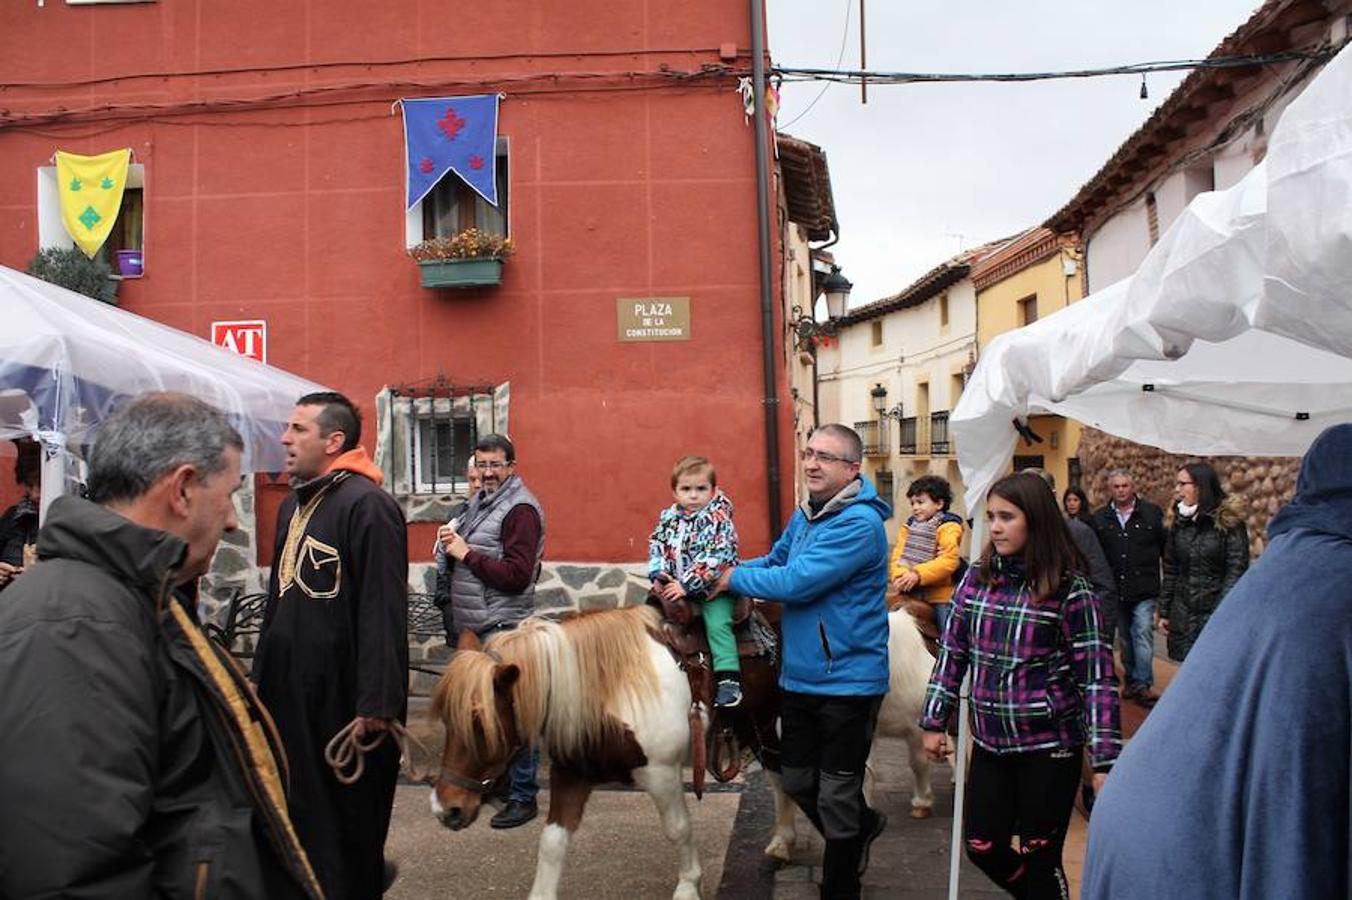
837 289
879 397
806 328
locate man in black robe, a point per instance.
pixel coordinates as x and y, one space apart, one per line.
334 646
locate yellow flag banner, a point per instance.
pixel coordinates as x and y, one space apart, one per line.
91 195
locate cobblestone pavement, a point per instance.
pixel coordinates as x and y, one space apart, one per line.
619 853
911 858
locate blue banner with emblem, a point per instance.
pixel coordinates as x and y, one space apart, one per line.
451 134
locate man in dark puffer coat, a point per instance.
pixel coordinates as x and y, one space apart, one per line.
136 760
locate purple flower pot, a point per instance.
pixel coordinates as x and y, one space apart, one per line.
130 263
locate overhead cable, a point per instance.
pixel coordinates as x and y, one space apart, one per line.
798 73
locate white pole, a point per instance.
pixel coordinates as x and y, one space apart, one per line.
955 846
54 460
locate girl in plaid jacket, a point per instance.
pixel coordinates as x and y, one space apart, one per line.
1025 623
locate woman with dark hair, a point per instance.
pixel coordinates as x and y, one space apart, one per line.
1076 504
19 523
1205 551
1026 623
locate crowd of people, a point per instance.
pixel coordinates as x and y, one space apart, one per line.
140 760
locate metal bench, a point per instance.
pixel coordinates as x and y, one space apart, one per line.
243 624
426 633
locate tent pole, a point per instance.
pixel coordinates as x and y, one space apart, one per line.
955 845
53 470
1236 405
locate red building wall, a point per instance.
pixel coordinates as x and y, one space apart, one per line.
292 210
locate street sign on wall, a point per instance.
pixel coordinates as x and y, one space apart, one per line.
247 337
654 318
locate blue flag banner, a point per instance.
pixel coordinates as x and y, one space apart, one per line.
451 134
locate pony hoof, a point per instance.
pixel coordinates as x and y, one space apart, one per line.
921 812
779 849
686 891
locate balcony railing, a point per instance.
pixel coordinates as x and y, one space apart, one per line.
908 436
939 445
874 435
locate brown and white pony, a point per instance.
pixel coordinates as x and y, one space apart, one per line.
909 665
604 698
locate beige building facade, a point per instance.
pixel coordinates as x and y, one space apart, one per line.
898 369
1029 277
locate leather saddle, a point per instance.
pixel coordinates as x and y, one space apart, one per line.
712 741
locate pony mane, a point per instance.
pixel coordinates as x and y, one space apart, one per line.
574 675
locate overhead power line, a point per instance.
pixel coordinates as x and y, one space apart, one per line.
798 73
840 56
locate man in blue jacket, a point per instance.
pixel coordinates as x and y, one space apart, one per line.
1237 786
829 570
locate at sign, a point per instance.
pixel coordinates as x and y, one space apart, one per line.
246 337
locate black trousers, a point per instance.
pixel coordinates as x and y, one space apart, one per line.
1031 795
825 745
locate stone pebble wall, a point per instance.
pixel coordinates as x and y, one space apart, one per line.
1264 483
562 586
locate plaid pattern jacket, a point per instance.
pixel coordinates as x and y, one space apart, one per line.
1042 673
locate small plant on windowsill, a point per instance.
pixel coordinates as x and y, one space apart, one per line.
472 258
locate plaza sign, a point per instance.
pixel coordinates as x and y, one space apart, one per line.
654 318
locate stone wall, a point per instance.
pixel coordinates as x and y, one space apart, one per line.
235 566
562 585
1265 484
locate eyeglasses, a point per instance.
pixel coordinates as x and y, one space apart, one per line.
493 466
810 454
1183 483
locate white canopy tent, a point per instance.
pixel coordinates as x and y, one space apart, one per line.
67 361
1234 337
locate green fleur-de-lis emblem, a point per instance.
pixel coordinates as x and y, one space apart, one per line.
75 184
106 184
90 218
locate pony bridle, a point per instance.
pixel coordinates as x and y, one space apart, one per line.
481 786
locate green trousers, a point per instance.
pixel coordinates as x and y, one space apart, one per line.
718 626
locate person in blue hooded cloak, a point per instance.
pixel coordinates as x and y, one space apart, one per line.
1237 784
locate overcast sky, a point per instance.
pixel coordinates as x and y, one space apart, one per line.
923 171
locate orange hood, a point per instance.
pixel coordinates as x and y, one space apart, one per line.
358 461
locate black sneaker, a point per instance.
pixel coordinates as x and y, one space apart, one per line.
871 835
729 693
514 814
389 875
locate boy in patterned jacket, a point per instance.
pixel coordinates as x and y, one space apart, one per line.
695 542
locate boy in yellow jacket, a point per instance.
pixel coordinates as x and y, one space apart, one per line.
927 555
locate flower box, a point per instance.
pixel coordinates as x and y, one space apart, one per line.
460 273
470 259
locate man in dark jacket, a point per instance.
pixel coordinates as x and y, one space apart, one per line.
1131 530
494 553
334 646
137 761
1237 786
